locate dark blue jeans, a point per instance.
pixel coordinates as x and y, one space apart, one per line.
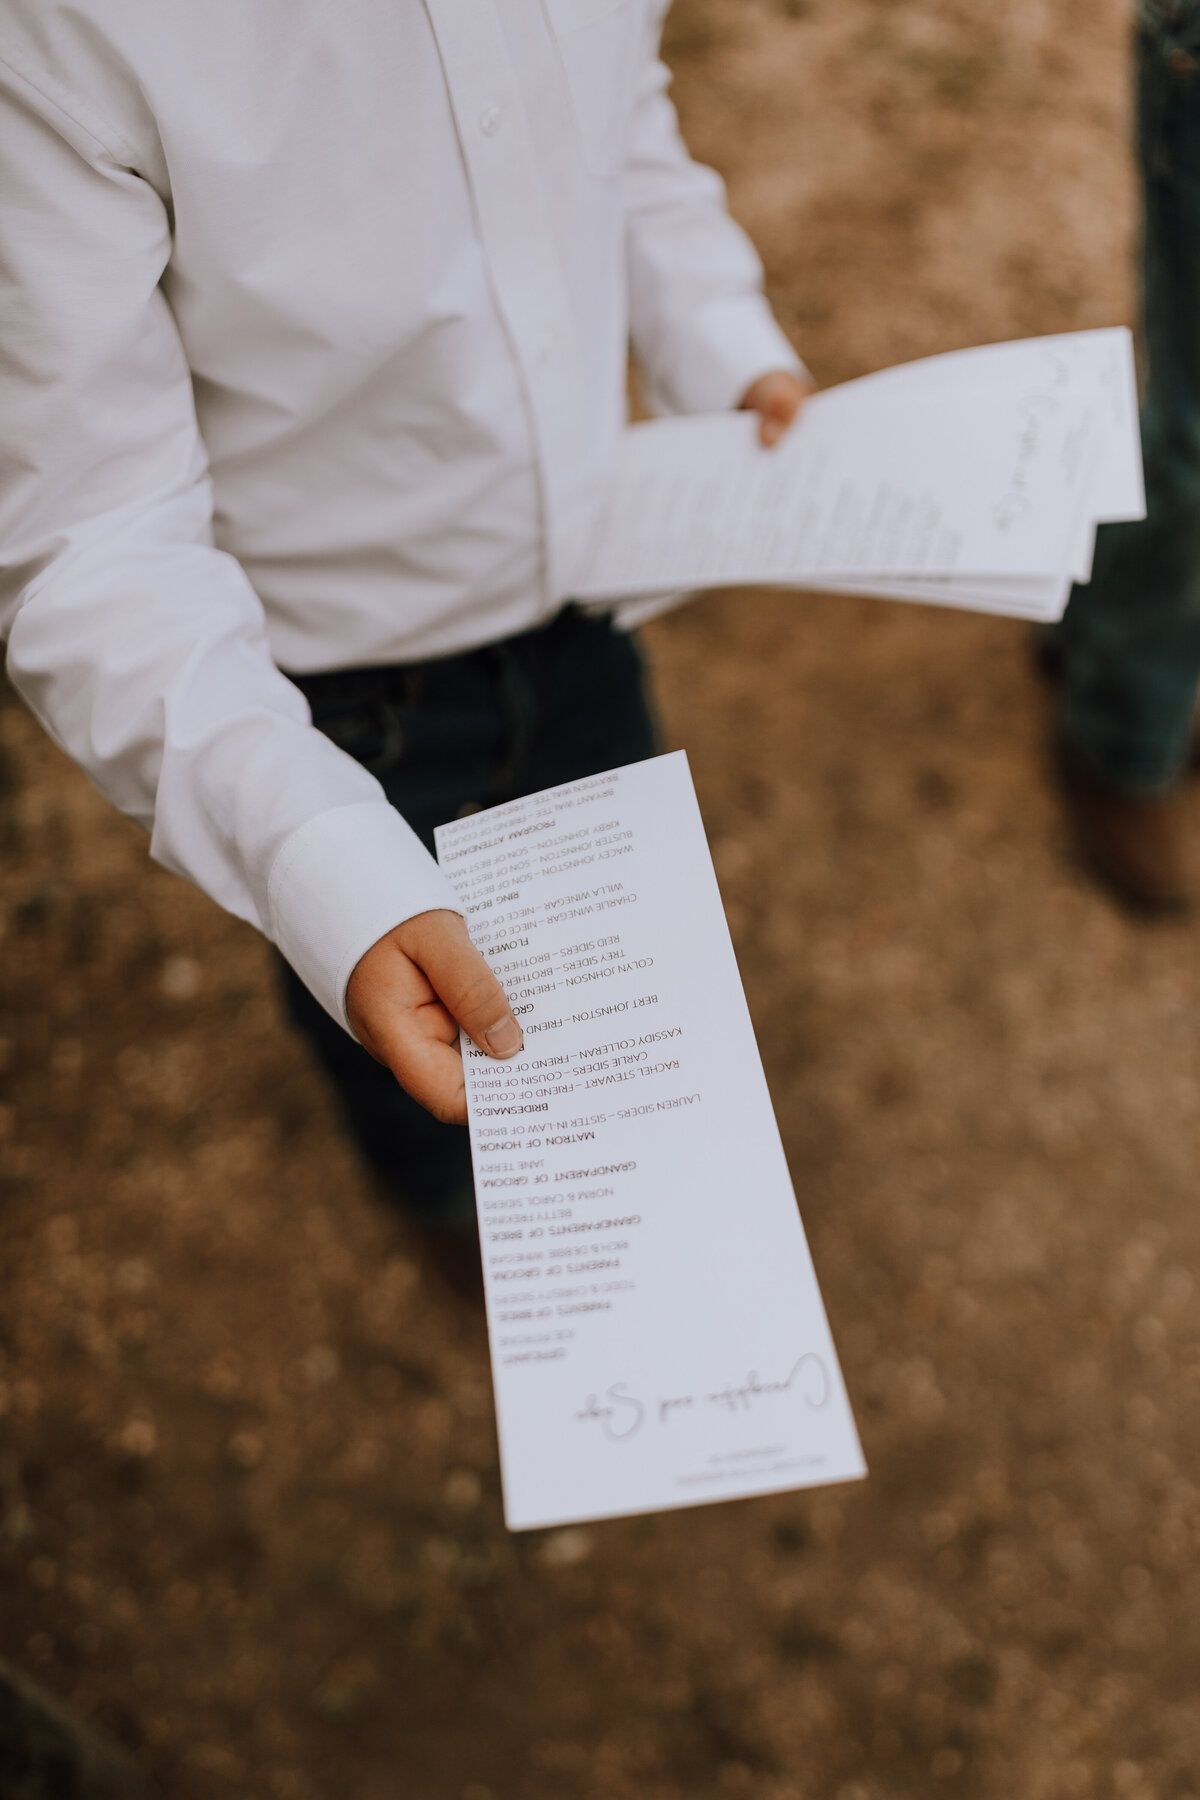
446 738
1130 640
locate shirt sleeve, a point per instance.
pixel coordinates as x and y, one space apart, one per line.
141 646
700 324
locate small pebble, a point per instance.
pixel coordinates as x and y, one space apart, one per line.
565 1549
139 1437
180 978
245 1449
462 1490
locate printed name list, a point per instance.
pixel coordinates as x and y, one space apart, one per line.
658 1337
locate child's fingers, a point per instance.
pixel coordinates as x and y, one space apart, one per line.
440 945
431 1071
776 398
411 994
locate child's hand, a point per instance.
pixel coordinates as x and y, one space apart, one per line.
776 398
409 996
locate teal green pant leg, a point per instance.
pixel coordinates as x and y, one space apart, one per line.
1131 638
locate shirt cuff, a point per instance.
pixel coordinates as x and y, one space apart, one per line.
723 349
341 882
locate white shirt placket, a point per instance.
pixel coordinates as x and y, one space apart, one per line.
523 263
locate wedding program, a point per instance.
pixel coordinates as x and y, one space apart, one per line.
658 1337
973 479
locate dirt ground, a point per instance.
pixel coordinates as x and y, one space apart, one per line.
249 1505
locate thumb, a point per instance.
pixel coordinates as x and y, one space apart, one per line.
773 422
439 943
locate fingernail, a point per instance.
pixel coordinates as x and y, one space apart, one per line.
504 1039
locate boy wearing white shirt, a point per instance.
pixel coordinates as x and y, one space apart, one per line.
315 324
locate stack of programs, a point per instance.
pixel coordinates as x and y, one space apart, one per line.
974 479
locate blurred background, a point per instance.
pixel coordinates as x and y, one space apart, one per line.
250 1521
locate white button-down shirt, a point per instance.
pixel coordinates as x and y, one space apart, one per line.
314 317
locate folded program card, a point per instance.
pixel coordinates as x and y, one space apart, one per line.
657 1333
973 479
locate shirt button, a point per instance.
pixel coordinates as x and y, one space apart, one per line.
489 120
545 351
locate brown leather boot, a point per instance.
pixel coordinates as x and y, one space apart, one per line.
1135 843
